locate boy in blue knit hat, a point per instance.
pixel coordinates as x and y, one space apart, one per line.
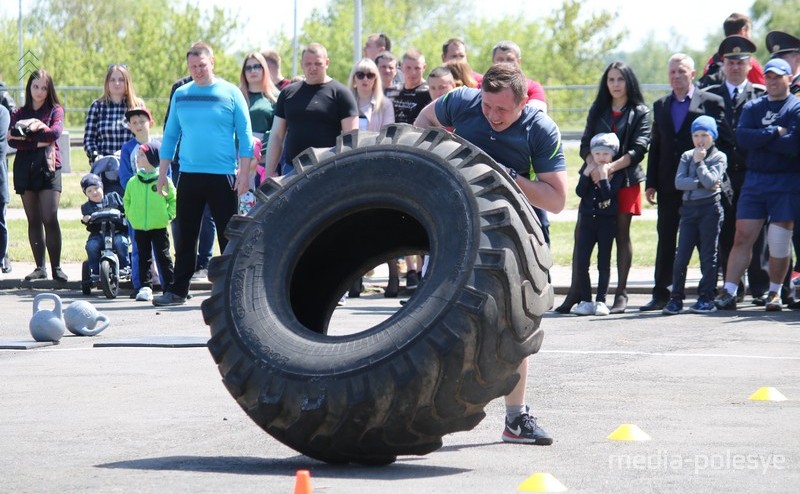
699 175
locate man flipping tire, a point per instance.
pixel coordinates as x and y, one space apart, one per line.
497 120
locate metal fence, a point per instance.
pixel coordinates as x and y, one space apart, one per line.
567 105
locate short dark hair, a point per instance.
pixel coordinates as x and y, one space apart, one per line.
272 56
506 75
387 55
199 49
441 71
382 39
449 42
735 23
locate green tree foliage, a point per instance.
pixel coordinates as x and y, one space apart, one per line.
408 23
777 15
76 40
566 47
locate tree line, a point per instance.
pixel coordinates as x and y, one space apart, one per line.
76 40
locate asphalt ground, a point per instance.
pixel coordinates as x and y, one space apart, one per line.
80 418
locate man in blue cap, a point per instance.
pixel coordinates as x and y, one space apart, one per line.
787 47
768 131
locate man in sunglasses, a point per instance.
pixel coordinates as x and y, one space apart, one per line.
310 114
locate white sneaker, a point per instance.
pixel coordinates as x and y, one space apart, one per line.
145 294
600 309
584 309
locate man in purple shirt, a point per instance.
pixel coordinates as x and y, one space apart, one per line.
672 121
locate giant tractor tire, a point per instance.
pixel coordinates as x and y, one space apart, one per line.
431 367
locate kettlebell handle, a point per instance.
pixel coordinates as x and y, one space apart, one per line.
100 324
48 296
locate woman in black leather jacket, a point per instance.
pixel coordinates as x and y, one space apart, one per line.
619 108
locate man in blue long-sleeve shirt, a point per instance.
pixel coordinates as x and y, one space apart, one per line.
205 114
769 130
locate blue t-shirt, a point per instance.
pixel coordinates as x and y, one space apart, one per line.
531 145
206 119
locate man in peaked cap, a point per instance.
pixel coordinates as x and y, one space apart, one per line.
785 46
736 90
739 25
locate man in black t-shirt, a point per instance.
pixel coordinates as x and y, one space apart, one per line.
311 113
413 96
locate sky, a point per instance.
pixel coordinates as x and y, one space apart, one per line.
694 20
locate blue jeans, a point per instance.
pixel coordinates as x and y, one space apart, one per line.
699 226
94 250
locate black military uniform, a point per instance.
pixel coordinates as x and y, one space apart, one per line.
739 48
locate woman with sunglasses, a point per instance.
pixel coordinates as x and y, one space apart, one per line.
106 130
261 94
374 112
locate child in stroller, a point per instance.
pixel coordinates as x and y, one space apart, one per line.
107 168
103 215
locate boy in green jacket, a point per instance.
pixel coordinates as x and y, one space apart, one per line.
149 213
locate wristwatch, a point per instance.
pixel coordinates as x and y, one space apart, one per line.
512 172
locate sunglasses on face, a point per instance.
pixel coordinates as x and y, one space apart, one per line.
362 75
254 67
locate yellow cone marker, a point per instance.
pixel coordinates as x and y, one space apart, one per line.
767 394
629 432
541 482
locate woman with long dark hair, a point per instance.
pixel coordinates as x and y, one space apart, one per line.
619 108
34 131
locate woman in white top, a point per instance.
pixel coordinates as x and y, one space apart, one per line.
374 109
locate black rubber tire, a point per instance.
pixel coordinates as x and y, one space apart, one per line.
86 278
108 280
429 369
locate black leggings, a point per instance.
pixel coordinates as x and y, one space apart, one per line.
41 208
624 251
624 257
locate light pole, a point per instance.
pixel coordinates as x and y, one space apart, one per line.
21 53
357 33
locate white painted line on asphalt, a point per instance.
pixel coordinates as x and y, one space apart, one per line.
662 354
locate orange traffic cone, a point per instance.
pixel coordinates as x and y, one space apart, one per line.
302 483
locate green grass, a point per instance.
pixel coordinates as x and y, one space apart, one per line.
561 233
642 236
74 237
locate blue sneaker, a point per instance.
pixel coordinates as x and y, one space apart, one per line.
673 307
704 305
525 430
